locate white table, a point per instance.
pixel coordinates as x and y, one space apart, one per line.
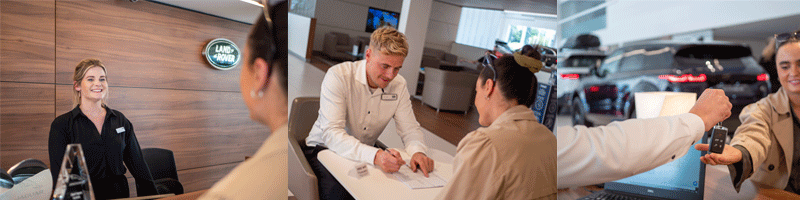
380 185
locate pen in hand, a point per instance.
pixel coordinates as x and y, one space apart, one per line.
396 155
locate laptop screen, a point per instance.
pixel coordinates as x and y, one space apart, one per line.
682 178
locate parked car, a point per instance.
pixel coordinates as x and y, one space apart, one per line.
572 66
578 54
608 94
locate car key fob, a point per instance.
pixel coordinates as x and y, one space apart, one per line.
717 143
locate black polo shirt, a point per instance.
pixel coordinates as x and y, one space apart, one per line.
104 152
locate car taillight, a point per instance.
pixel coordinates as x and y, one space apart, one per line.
594 89
683 78
763 77
570 76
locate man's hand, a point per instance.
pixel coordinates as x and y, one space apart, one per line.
729 155
713 107
388 161
425 163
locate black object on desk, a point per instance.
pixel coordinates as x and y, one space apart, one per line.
717 142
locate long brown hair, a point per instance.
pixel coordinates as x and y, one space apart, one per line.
80 72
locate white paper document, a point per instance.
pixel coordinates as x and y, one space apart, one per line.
418 180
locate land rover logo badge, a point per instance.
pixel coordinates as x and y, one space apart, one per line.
222 54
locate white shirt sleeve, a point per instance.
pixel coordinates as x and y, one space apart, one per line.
618 150
332 118
407 126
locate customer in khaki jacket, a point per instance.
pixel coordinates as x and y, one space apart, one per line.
515 156
765 147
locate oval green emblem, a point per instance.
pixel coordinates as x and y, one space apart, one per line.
222 54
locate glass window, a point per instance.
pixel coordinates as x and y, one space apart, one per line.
479 27
519 36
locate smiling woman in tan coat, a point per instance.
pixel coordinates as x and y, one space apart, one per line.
765 147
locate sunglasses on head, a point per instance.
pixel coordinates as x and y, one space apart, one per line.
783 38
488 59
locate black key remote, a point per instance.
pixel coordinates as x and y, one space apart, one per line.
717 143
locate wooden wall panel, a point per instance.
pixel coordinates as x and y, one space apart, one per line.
202 128
12 157
28 41
27 112
144 44
158 79
203 178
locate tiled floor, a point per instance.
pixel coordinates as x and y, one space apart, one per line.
305 80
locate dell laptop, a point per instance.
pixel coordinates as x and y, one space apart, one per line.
682 178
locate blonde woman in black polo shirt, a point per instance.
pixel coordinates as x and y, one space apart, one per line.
106 136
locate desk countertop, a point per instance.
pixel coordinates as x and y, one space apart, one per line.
380 185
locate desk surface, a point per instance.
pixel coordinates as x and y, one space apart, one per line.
380 185
718 185
186 196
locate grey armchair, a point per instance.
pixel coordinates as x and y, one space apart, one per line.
449 90
338 46
443 58
303 181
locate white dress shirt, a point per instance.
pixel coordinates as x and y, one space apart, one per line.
351 117
618 150
263 176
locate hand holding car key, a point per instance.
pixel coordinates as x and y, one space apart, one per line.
717 140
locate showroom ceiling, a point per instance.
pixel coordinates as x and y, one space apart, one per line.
760 29
534 6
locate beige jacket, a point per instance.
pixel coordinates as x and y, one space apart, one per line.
263 176
514 158
767 133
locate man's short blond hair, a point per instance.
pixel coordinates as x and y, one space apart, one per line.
389 41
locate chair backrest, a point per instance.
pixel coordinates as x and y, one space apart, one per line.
25 169
303 181
6 182
161 163
302 117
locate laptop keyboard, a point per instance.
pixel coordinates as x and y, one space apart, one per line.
603 195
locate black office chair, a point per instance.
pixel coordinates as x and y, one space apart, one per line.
25 169
161 163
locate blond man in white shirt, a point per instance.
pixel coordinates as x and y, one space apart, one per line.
357 101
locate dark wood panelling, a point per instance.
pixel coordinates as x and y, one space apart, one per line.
28 41
27 112
159 80
204 178
144 44
12 157
202 128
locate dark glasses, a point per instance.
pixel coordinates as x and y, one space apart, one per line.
488 59
783 38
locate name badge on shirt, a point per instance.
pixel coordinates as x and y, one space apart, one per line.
120 129
389 97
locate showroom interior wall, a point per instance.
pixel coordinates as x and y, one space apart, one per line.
157 76
300 29
347 16
626 19
443 26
